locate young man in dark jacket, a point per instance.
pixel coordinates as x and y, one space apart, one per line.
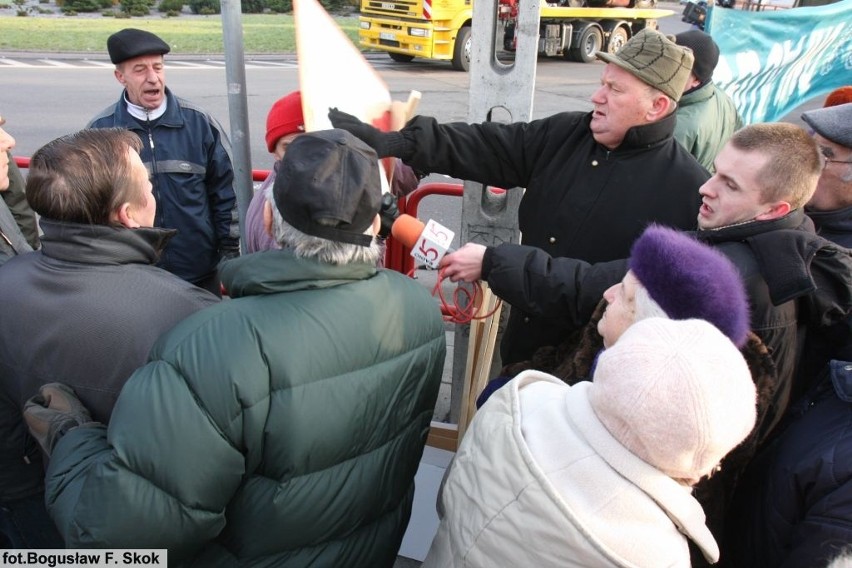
593 180
795 503
87 306
284 426
187 154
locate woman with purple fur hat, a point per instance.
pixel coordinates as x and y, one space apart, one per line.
674 276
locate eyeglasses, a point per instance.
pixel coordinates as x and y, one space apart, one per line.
827 154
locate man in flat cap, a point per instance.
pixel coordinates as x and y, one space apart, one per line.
187 154
706 115
594 180
283 427
831 206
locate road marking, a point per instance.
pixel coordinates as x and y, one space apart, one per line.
13 63
55 63
173 64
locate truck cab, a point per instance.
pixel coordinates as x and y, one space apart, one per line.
431 29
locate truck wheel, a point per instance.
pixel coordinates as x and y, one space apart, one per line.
590 41
461 51
401 57
617 38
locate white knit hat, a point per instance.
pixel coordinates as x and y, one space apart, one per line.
677 393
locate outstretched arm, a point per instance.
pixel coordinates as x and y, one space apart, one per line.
554 287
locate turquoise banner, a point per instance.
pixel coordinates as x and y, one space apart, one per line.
772 61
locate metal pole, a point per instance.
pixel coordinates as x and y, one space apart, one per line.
500 93
235 75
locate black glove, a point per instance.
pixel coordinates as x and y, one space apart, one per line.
388 213
52 412
371 135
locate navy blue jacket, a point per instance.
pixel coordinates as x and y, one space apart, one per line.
189 158
834 225
799 507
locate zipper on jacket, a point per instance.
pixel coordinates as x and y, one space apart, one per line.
156 186
159 221
150 137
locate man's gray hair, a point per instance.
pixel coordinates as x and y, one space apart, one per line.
323 250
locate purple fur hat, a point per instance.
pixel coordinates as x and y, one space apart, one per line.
688 279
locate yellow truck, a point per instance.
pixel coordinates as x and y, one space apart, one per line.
440 29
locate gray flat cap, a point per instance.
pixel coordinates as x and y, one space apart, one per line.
834 123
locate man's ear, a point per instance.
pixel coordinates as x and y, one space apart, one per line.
267 218
774 211
119 76
124 216
661 106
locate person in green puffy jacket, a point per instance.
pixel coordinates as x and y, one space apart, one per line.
706 115
283 427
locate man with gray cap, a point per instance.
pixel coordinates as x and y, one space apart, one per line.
187 154
283 427
706 115
831 205
593 180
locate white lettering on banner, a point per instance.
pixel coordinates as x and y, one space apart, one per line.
760 88
93 558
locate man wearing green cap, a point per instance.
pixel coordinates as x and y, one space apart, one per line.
594 180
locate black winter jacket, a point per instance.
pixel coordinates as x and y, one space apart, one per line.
84 310
804 291
582 200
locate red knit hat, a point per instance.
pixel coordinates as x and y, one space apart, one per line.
839 96
285 117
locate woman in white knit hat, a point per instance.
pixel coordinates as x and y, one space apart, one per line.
599 474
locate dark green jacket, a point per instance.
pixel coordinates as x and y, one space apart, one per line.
706 119
280 428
